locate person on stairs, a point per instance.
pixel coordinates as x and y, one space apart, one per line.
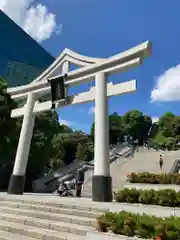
161 162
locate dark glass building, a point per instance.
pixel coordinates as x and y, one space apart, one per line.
21 58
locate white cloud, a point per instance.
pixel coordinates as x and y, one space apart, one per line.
167 86
155 119
91 110
75 126
33 17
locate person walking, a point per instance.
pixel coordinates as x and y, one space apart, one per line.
161 162
79 182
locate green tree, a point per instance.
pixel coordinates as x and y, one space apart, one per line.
81 152
146 126
132 122
170 143
166 132
92 131
176 127
71 141
154 130
115 129
58 153
52 144
159 141
3 83
162 142
136 125
165 124
85 151
8 135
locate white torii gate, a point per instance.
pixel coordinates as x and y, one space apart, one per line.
90 69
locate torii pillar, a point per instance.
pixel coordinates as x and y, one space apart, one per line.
101 180
18 177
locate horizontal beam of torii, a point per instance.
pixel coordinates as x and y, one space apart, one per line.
73 80
112 90
117 63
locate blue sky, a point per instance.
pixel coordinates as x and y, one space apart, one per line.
103 28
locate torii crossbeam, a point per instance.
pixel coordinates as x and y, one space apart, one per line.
90 69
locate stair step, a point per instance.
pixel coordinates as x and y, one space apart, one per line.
65 211
50 216
46 224
10 236
47 218
36 233
63 204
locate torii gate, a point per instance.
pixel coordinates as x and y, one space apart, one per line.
90 69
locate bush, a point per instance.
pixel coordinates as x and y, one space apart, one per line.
165 197
142 226
127 195
152 178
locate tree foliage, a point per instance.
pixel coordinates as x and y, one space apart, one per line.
8 134
166 133
115 128
165 124
137 127
85 151
133 125
52 145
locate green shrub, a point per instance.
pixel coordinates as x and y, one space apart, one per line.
152 178
127 195
145 226
142 226
165 197
147 196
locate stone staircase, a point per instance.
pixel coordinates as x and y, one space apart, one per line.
142 161
148 161
28 220
49 217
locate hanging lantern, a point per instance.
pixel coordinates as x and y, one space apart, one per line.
58 91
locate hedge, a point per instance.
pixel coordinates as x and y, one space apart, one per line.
165 197
152 178
142 226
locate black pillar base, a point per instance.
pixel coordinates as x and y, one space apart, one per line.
16 184
101 188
